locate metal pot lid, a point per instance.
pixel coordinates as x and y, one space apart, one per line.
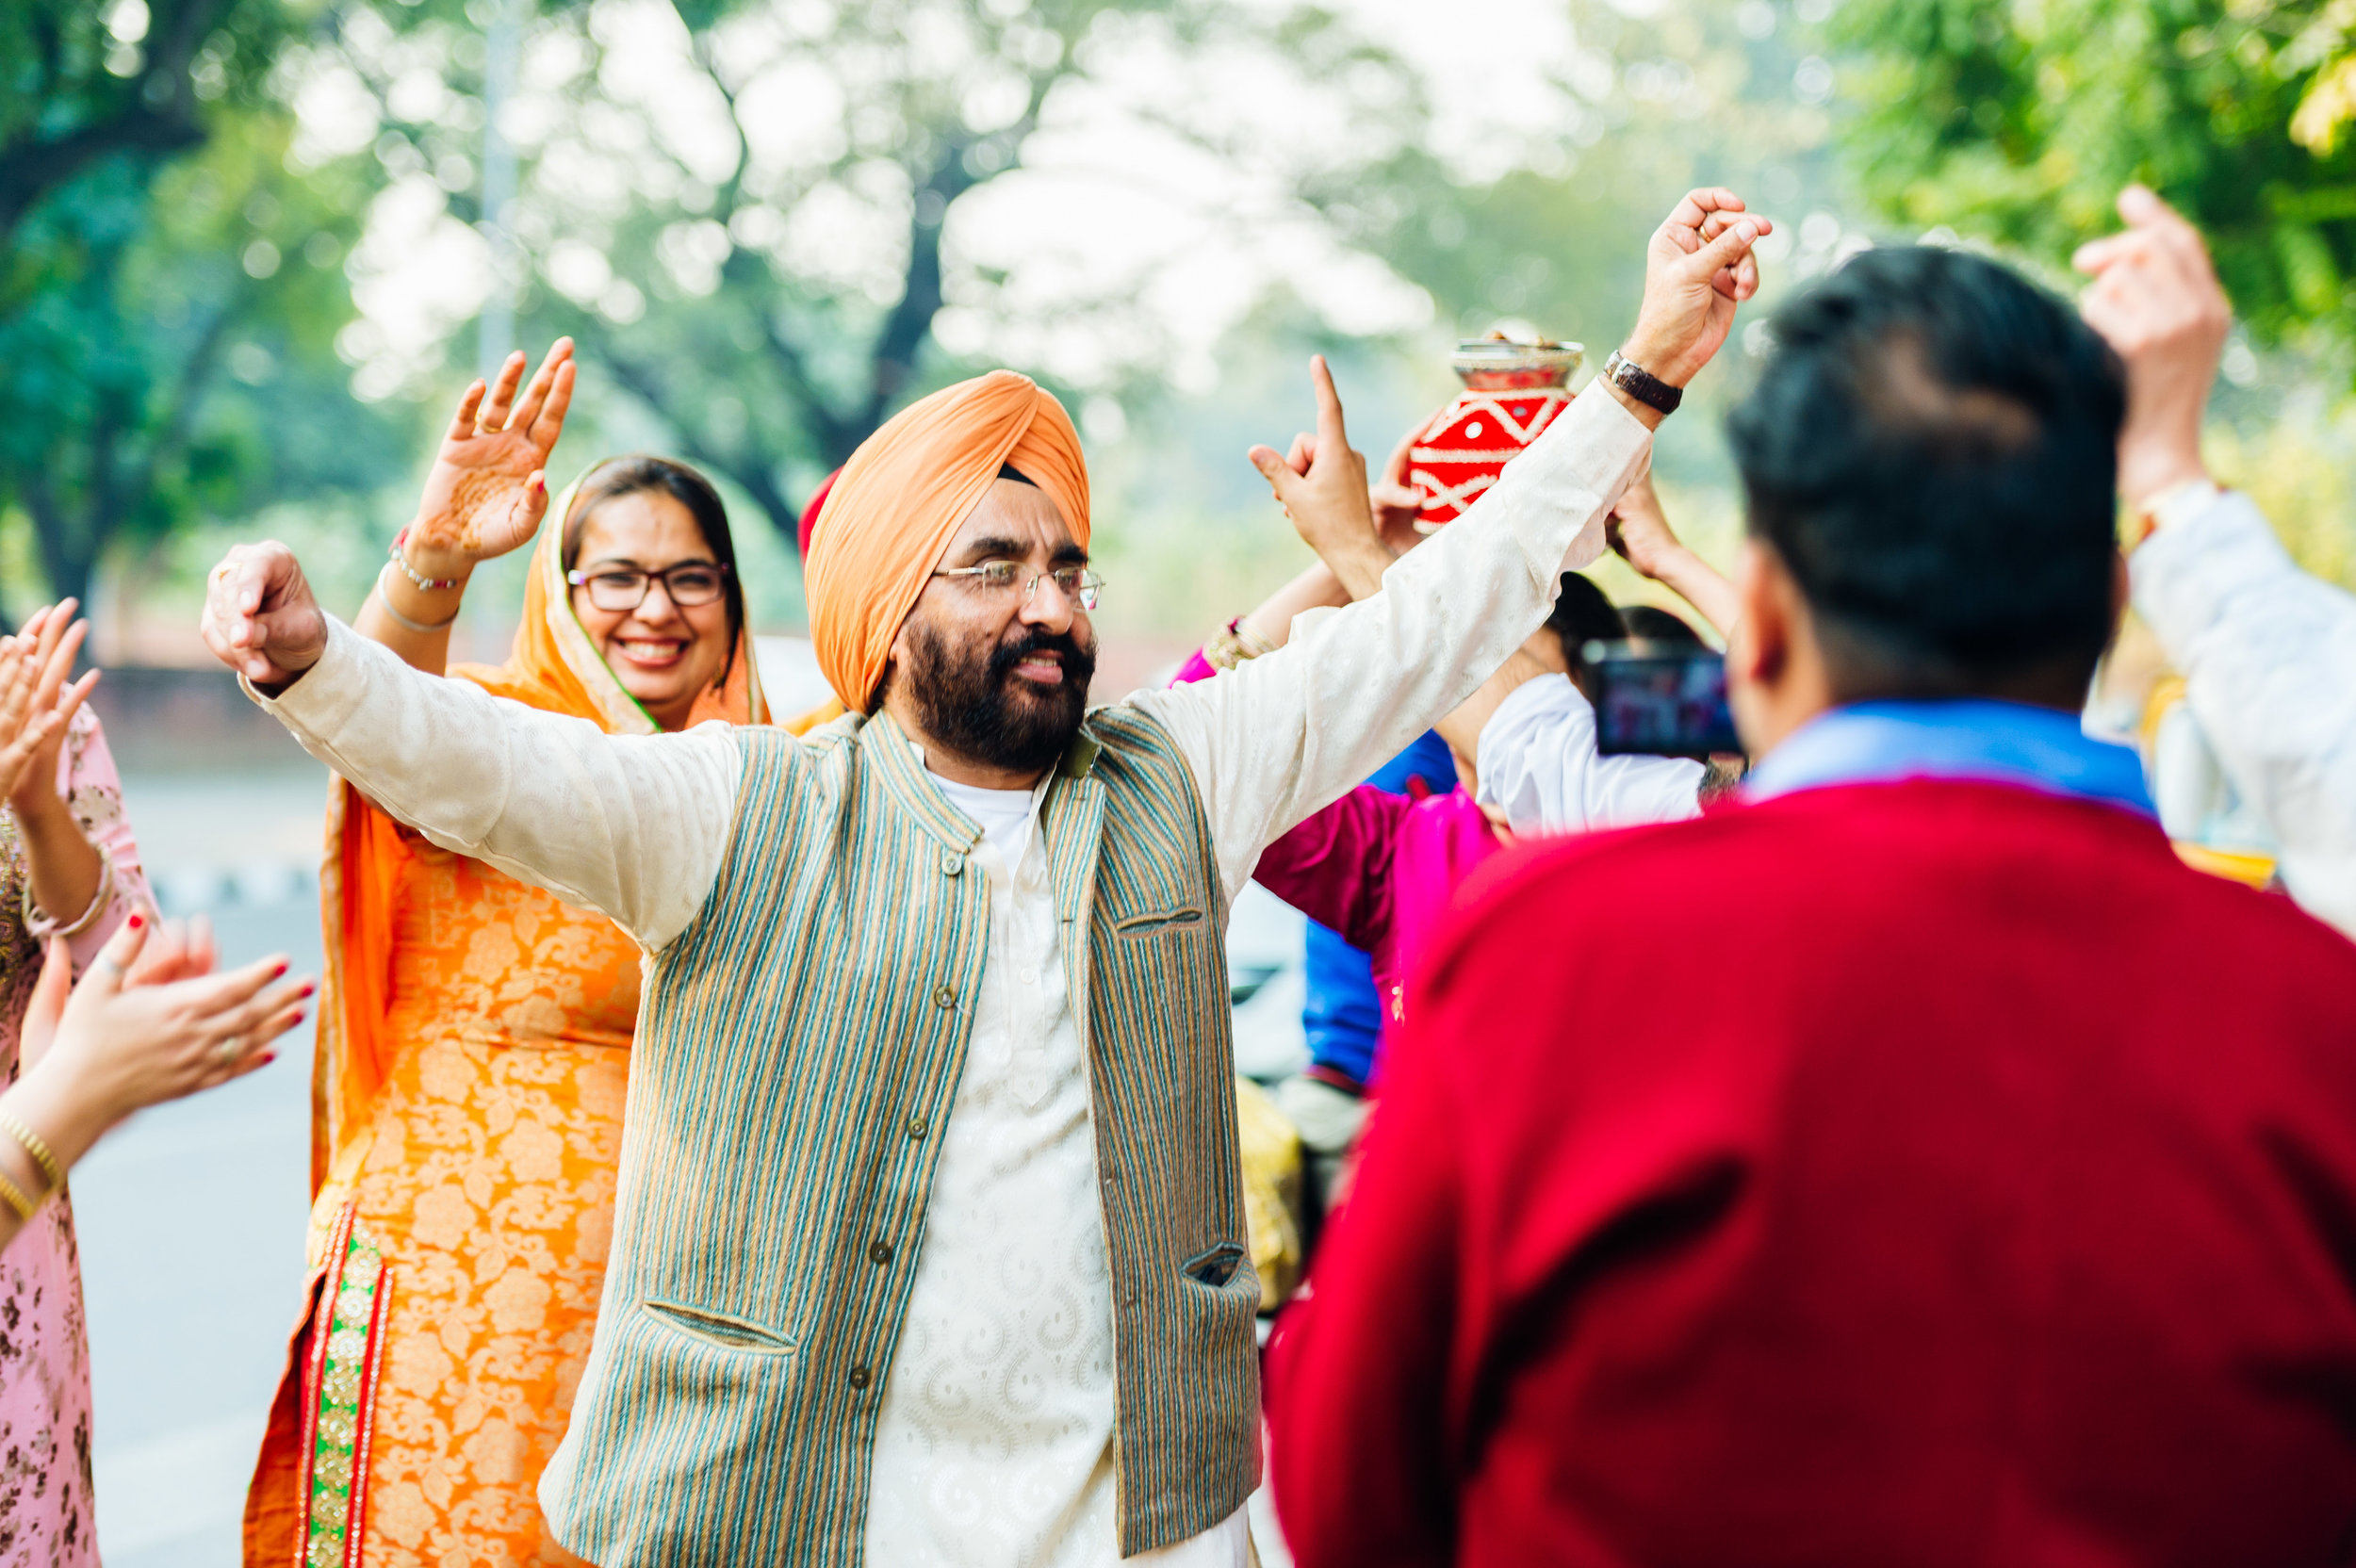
1500 352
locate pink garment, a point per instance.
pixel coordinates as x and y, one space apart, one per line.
45 1512
1375 867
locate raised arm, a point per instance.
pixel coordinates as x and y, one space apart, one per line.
1640 532
1290 732
484 497
2268 653
633 826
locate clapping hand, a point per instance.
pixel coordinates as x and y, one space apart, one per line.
36 704
488 487
2157 300
150 1023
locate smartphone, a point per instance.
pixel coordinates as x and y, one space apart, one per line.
1660 702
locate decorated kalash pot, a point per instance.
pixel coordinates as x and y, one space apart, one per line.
1513 390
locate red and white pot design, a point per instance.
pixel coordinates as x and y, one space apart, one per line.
1511 392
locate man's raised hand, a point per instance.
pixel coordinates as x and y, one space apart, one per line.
488 487
1327 498
1699 266
2157 300
260 618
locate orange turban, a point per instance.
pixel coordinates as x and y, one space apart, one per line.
903 497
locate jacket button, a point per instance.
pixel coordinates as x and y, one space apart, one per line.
916 1127
946 996
860 1377
880 1251
951 863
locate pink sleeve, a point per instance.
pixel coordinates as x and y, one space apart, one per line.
1335 865
93 793
1195 668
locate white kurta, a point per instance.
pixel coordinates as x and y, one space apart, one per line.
994 1447
2268 655
1539 765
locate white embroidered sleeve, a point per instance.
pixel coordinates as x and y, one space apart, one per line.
1538 763
1287 734
2268 655
633 826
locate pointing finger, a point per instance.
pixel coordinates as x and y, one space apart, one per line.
1332 438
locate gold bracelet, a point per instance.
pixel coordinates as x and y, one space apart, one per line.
14 1196
36 1148
1233 646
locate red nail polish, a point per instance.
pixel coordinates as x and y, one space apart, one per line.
137 920
277 970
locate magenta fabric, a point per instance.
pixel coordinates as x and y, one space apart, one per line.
1377 868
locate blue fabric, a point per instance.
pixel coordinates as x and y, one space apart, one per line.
2002 743
1343 1017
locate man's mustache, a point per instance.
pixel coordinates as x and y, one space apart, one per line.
1079 662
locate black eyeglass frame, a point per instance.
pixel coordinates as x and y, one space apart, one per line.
718 568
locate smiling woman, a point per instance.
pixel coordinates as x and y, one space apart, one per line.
474 1032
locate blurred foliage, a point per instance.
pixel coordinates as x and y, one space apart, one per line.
2018 122
169 291
770 187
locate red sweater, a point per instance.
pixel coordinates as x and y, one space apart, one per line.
1927 1174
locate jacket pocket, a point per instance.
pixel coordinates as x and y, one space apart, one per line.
723 1330
1146 925
1217 1265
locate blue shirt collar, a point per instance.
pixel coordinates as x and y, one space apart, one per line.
1997 743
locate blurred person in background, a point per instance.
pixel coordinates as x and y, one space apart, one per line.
1374 871
1538 764
71 871
1985 1195
2266 651
934 1088
473 1048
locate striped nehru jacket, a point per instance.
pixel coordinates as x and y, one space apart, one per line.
798 1057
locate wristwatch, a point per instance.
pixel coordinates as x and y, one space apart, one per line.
1641 384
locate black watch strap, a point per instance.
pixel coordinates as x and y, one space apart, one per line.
1641 384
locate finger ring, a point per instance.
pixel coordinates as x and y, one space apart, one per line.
230 1048
483 429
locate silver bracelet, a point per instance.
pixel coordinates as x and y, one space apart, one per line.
420 628
99 898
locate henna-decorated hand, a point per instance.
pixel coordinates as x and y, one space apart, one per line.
488 487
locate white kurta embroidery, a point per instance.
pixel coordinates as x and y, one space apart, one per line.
995 1446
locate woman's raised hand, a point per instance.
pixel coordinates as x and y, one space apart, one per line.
36 704
489 485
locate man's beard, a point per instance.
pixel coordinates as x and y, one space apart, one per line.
968 704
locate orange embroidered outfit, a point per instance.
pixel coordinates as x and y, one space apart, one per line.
466 1118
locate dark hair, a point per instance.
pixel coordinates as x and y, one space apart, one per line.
1931 451
1655 625
637 475
1582 615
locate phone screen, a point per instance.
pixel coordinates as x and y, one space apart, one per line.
1660 704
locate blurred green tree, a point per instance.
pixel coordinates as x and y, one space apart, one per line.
795 192
168 288
2018 122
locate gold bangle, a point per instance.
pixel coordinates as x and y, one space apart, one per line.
36 1148
14 1196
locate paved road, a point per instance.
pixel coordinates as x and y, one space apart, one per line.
192 1217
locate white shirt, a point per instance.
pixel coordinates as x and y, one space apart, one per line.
2268 655
994 1446
1538 763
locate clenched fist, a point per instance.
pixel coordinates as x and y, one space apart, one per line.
260 617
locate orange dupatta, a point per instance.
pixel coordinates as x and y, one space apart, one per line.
553 666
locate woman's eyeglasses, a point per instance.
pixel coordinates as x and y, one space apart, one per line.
687 585
1077 583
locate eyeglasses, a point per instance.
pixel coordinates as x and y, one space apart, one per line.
1077 583
687 585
